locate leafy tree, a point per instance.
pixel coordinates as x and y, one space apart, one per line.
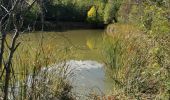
92 14
110 12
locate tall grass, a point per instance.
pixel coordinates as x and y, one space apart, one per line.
138 64
31 78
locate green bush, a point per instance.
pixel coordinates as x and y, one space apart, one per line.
109 13
33 14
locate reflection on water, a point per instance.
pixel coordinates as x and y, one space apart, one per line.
83 44
88 76
83 47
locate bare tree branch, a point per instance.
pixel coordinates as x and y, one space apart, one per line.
12 9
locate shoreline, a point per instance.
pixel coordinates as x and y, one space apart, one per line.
62 26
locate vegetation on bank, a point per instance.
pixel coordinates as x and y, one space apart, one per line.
137 51
31 78
40 50
89 11
24 67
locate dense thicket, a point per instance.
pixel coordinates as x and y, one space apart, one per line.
138 53
92 11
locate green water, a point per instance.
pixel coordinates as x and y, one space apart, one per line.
82 48
78 44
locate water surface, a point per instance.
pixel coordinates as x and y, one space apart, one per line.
83 48
83 44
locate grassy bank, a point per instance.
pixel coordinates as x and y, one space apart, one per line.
137 51
137 63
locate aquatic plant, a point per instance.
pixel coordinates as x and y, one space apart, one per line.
30 81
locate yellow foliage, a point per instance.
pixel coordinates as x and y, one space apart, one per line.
92 12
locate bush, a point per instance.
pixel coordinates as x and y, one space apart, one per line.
138 61
110 11
33 13
138 64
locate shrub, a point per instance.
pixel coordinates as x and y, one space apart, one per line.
110 11
138 64
138 61
32 15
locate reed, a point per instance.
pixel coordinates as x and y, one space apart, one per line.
29 81
137 64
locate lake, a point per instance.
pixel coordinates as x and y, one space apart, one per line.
81 51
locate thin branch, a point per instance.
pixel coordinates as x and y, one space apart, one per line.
17 46
7 44
5 9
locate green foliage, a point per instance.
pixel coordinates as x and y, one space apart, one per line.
110 12
66 10
154 20
77 10
99 11
33 13
149 16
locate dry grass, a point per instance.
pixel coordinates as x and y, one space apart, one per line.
28 81
138 64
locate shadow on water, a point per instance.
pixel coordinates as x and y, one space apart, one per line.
67 26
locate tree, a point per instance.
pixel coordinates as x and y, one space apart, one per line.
11 19
110 11
92 14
